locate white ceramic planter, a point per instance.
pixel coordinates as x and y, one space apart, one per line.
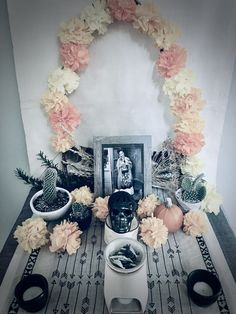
55 214
186 206
110 235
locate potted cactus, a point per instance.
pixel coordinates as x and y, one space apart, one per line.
191 193
82 214
51 202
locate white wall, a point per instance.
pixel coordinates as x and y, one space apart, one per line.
13 148
227 158
119 93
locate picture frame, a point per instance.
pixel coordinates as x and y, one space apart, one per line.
123 163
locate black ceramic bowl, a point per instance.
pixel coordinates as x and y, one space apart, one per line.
37 303
202 275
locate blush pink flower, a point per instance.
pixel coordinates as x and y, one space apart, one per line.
171 61
122 10
191 103
74 56
62 142
147 18
66 119
188 144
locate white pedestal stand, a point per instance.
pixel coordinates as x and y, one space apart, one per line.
125 290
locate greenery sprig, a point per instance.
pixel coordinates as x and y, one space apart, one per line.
22 175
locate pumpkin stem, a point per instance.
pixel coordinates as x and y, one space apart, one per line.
168 202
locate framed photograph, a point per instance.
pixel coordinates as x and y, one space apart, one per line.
122 163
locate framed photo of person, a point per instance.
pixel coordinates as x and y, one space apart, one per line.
122 163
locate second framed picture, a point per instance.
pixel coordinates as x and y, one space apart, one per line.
123 163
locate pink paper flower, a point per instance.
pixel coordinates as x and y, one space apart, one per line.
65 237
188 144
122 10
62 142
74 56
171 61
147 18
66 119
100 208
191 103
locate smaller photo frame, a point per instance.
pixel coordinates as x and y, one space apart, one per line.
122 163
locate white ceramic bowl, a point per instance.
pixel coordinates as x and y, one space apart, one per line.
119 243
55 214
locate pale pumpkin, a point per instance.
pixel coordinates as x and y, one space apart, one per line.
171 215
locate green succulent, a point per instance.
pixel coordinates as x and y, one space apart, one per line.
49 185
80 211
193 189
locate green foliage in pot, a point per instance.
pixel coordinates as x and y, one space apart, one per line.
82 214
49 185
193 189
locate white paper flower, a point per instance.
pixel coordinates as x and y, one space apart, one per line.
212 201
190 123
153 232
32 234
179 84
195 223
53 100
65 237
63 80
147 205
75 30
193 166
83 195
100 208
96 17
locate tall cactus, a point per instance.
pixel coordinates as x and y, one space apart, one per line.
49 185
193 190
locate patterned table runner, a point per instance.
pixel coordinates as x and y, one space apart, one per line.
76 282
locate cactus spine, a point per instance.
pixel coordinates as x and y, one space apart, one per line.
80 210
193 190
49 185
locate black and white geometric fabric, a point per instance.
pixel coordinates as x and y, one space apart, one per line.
76 282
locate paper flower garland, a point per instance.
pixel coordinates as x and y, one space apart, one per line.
75 36
32 234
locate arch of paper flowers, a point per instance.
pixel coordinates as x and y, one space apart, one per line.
75 36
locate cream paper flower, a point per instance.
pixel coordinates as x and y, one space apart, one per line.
65 237
32 234
193 165
63 80
212 201
190 123
195 223
153 232
166 35
53 100
75 30
62 142
100 208
96 17
83 195
147 18
179 84
147 205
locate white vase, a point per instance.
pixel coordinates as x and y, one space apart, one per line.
52 215
186 206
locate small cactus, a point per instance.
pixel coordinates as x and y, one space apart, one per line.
49 185
80 211
193 190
